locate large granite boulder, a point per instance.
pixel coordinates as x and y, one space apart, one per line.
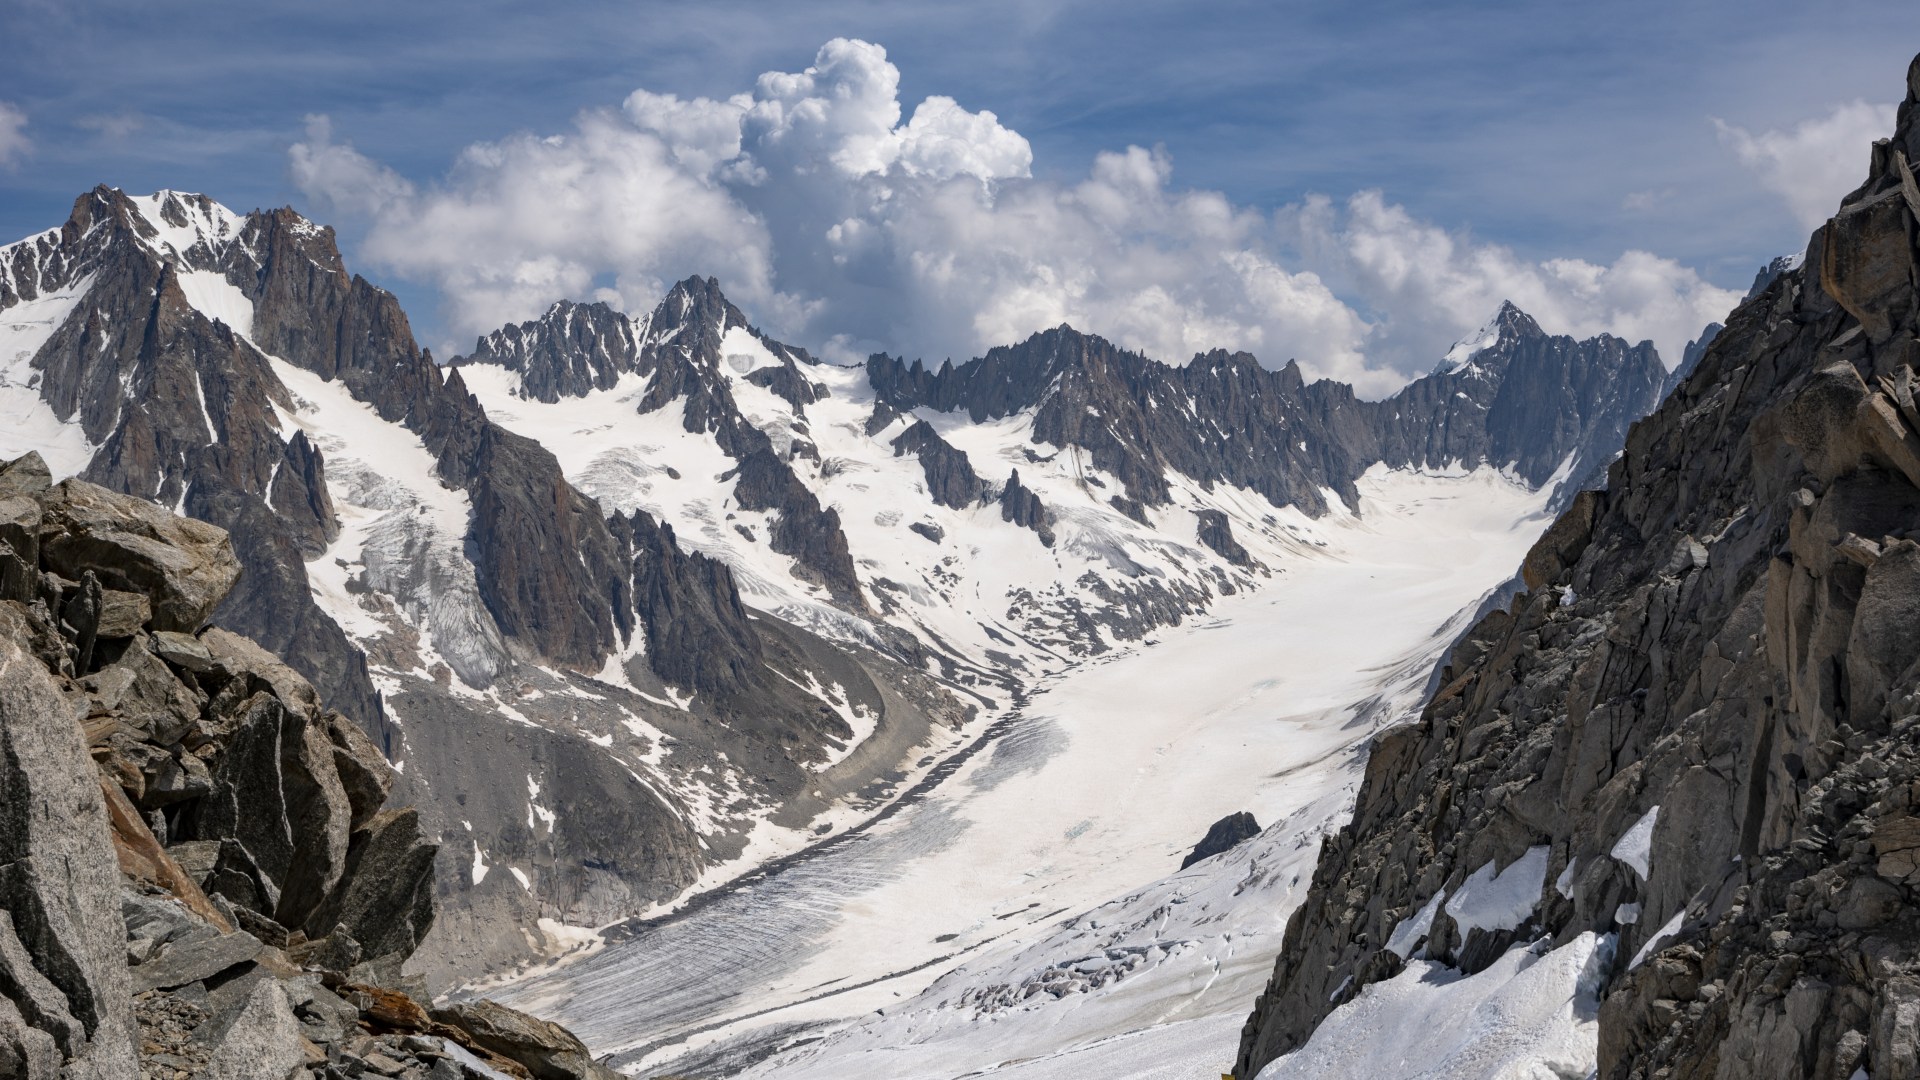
184 567
61 967
545 1049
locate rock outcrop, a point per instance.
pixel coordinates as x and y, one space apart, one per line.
1223 836
1021 506
1697 725
1217 533
682 347
951 480
198 875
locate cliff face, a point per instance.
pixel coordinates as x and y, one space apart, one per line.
1697 727
199 874
435 576
1513 396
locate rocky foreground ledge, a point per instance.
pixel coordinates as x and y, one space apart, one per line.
199 876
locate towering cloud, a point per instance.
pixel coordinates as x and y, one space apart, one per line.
844 222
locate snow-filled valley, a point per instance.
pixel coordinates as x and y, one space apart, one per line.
1001 648
1023 915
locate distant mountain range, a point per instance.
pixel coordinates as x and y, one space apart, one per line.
629 598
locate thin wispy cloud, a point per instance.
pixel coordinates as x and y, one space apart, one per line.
848 223
1813 163
14 144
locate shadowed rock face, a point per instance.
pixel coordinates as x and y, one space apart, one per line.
707 645
1217 533
197 871
1527 400
571 350
1719 649
951 480
576 348
1019 505
1223 836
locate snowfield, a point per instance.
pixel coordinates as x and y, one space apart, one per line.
26 421
1024 916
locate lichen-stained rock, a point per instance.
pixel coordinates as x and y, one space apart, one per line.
184 567
143 859
1706 710
59 884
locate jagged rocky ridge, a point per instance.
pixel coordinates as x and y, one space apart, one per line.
1697 725
1131 454
683 579
201 875
425 567
1511 396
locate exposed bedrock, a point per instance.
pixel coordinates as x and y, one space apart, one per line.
198 873
1698 725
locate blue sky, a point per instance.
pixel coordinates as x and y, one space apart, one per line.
1546 131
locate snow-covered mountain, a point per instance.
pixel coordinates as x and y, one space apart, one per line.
635 600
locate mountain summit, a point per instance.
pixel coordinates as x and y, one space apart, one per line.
701 591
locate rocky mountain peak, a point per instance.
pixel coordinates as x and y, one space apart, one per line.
1481 353
569 351
1695 730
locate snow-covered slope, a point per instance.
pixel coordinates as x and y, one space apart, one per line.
986 592
702 598
1001 917
437 577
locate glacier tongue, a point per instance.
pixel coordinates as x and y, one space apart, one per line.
1001 916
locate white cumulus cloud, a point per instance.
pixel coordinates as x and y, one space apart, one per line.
1815 162
1430 285
841 226
340 178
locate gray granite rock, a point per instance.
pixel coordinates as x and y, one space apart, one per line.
194 960
257 1037
59 884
